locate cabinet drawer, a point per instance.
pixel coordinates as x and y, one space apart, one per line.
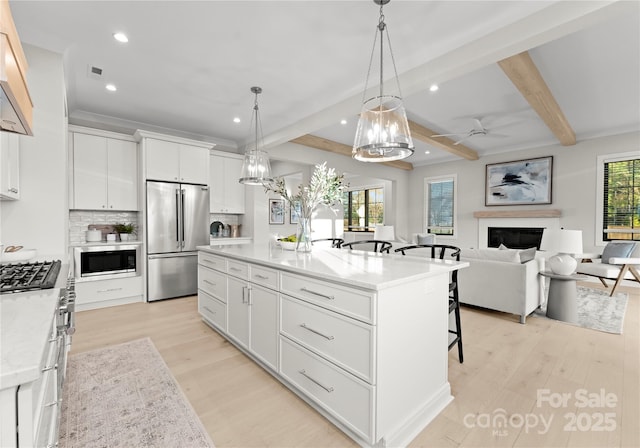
99 290
213 283
238 269
348 301
342 340
213 310
212 261
344 396
264 276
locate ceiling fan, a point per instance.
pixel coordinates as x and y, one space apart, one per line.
477 129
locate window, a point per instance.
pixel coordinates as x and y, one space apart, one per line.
363 209
620 197
440 205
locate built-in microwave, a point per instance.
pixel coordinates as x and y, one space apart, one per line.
103 262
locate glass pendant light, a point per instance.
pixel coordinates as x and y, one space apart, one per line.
256 169
383 130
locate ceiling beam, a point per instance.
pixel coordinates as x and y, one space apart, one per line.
425 135
524 74
339 148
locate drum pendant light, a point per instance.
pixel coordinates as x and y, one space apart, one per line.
256 169
383 130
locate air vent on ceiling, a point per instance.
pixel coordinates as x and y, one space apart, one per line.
94 72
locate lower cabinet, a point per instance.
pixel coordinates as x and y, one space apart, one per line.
253 319
102 293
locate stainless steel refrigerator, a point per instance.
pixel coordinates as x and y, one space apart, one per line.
177 222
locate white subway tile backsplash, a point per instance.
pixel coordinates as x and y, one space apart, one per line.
79 221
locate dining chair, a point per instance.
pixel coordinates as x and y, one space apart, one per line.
335 242
444 252
377 245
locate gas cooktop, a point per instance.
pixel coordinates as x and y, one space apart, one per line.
20 277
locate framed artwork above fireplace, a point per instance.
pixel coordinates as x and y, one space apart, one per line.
520 182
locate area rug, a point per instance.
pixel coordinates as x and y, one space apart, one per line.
598 311
125 396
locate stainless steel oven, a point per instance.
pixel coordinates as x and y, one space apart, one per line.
104 262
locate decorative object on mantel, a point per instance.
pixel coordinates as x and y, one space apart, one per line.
125 395
596 310
383 131
519 182
256 169
550 213
326 187
565 243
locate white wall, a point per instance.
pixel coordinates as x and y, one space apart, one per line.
294 155
573 186
39 219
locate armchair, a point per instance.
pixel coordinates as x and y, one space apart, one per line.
620 260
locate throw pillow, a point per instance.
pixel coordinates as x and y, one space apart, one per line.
502 247
527 254
426 238
617 249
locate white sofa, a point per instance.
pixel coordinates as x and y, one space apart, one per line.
499 280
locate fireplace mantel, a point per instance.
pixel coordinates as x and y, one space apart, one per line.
551 213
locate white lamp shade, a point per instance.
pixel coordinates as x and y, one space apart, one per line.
565 244
384 233
562 241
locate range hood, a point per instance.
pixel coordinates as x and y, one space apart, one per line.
16 108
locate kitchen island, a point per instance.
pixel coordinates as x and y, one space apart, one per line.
360 336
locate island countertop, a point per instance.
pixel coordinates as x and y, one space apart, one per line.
363 269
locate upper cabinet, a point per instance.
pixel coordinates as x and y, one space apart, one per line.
226 194
175 160
16 108
104 172
9 166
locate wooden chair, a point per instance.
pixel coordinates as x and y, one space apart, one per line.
378 245
612 265
335 242
444 252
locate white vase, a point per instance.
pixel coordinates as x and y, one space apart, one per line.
124 237
303 235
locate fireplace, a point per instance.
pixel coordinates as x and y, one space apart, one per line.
514 237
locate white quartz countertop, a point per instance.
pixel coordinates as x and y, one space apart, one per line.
107 243
362 269
25 321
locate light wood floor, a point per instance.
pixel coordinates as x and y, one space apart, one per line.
506 366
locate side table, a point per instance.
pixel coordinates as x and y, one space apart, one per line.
562 302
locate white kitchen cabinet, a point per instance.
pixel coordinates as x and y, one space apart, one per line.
226 193
102 293
251 300
9 166
104 173
178 162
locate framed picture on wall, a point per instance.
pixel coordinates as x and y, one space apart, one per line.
294 213
276 211
519 182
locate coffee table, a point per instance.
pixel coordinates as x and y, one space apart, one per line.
562 302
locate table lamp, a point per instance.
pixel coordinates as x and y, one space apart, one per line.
566 243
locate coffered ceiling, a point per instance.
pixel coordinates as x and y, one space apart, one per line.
188 67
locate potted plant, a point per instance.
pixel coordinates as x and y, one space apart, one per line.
124 229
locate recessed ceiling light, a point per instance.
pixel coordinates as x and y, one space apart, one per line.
343 121
236 120
427 152
111 87
433 88
121 37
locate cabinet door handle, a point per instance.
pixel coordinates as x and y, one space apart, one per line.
210 262
263 277
306 375
250 296
55 366
210 283
243 290
109 290
235 269
328 338
315 293
209 309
